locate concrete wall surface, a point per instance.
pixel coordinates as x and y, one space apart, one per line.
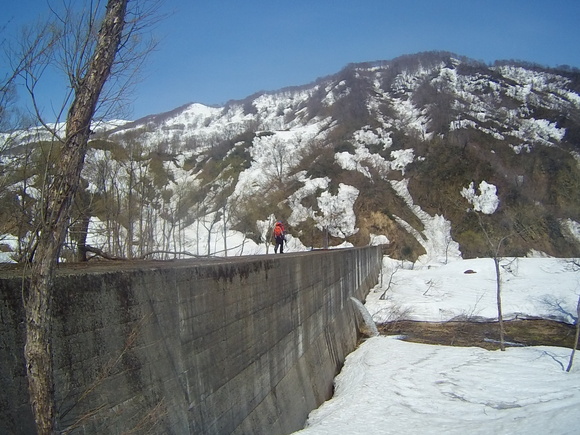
233 346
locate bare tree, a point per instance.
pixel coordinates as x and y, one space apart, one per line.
275 155
486 203
575 264
495 246
88 47
576 336
495 250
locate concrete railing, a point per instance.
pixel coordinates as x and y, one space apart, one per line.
244 345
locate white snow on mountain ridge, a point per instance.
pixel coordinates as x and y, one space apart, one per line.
280 116
287 124
475 95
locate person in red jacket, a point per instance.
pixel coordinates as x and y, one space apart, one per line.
279 235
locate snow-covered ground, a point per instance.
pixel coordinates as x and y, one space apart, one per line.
389 386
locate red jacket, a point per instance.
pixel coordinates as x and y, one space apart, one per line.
278 230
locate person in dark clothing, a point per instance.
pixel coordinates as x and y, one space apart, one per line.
279 235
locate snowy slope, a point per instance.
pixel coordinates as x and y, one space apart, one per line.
353 157
389 386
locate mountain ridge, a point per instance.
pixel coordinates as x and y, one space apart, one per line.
379 152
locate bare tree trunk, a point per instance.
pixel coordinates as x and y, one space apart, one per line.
197 237
78 231
495 250
575 337
499 311
83 230
209 229
54 219
130 218
224 222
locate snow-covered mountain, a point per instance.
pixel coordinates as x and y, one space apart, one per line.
392 152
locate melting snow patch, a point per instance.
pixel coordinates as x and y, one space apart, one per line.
486 202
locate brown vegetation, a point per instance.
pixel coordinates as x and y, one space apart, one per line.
530 332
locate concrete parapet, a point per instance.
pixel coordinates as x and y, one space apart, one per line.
244 345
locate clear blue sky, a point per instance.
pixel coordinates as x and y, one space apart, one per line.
212 51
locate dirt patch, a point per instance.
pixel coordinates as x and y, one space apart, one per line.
535 332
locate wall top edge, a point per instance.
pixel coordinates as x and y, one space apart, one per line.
11 271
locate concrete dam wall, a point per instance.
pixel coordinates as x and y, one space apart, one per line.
232 346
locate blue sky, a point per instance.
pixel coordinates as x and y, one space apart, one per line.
215 50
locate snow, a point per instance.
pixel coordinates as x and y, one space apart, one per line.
377 240
310 186
436 235
389 386
394 387
572 228
285 132
487 200
539 131
402 158
542 287
363 159
337 211
8 245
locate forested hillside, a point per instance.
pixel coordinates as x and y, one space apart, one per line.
430 155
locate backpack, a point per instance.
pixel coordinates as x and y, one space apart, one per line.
278 230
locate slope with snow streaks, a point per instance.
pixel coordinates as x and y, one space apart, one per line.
206 179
